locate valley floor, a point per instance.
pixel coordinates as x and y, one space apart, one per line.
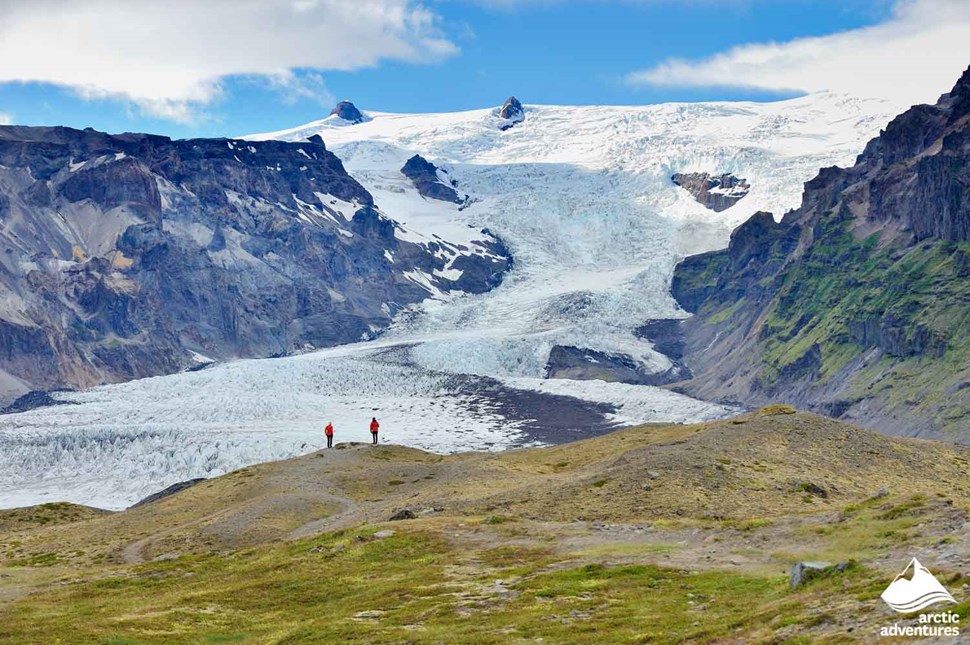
660 533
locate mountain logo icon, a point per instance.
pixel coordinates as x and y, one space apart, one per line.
906 595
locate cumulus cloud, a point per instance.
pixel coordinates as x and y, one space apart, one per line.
171 58
912 57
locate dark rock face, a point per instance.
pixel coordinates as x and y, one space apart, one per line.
32 400
134 255
717 193
348 112
426 178
667 337
586 365
512 111
758 248
855 304
168 492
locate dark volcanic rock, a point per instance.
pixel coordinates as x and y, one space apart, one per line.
585 365
424 175
667 337
757 249
348 112
716 193
168 492
855 304
32 400
129 255
512 111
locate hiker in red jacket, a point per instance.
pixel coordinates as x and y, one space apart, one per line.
374 427
329 432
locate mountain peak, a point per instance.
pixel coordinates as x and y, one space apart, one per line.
511 108
348 112
962 87
512 111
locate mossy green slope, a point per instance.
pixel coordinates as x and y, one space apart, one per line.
857 304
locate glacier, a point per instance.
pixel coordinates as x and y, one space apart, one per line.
583 199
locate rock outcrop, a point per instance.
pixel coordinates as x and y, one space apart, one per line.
857 304
511 112
135 255
427 178
717 193
348 112
582 364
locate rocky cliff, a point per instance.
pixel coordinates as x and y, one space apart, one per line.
429 180
134 255
856 304
716 193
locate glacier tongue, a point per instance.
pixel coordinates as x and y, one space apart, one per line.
581 196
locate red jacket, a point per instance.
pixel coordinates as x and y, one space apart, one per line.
329 430
374 426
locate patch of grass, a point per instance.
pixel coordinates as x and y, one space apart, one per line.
905 508
600 483
40 560
776 409
747 525
498 519
514 556
863 530
410 587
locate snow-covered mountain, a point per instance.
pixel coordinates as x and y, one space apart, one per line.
583 199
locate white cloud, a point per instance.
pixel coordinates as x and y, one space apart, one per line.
170 58
913 57
5 119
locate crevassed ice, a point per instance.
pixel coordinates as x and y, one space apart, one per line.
581 196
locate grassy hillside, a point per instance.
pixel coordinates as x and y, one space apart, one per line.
660 533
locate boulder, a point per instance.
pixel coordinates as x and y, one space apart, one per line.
804 572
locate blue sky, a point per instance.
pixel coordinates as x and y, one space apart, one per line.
259 71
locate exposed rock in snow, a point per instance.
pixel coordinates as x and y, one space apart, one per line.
512 112
348 112
717 193
428 180
586 364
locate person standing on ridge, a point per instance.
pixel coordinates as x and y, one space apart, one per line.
329 432
374 427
